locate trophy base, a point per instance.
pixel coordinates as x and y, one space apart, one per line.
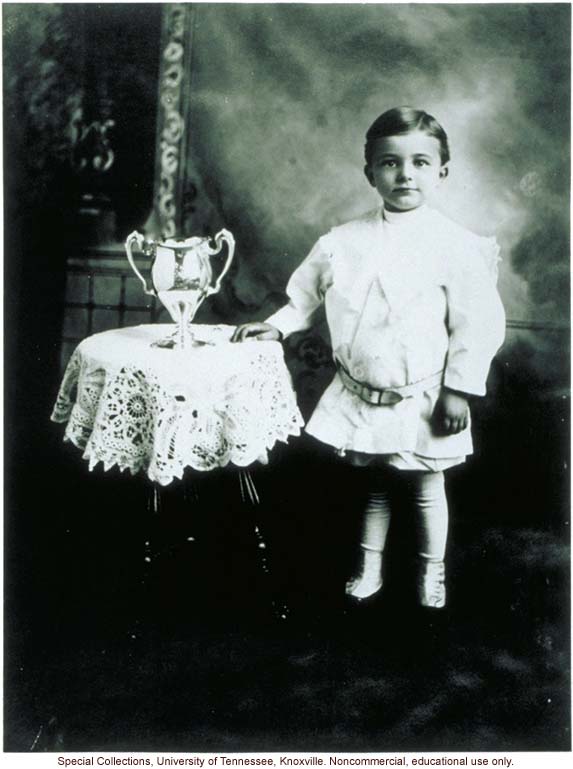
179 341
167 343
181 304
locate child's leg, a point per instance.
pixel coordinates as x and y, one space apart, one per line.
431 508
375 525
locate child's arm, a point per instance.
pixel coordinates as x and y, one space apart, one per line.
451 413
476 324
305 289
256 330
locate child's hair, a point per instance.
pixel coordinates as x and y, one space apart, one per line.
403 120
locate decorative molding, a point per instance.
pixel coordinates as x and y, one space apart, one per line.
171 124
91 146
539 325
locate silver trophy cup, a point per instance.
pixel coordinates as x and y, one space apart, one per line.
181 276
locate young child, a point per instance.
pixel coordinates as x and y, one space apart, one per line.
415 320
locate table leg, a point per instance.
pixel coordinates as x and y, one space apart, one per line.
155 508
149 554
250 497
251 503
154 499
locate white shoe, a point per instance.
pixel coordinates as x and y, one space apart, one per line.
360 589
368 581
432 584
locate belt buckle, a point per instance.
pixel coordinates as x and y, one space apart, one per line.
393 398
374 396
365 393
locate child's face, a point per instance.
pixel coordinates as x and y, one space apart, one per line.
406 169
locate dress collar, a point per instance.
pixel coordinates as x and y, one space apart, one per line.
404 218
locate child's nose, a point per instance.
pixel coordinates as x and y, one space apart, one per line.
405 171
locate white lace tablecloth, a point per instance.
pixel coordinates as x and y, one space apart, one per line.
138 407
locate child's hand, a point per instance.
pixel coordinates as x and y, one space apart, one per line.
256 330
451 413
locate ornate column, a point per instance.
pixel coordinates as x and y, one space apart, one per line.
172 122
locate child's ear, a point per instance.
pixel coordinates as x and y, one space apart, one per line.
444 171
368 174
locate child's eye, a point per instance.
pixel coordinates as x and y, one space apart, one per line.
419 163
388 163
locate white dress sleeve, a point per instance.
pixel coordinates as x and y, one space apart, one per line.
305 290
476 318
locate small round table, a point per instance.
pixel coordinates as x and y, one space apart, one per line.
144 408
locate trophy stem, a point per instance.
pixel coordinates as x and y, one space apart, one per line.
181 306
184 334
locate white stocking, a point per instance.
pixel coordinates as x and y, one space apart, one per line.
375 525
428 495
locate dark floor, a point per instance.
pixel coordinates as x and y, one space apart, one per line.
202 640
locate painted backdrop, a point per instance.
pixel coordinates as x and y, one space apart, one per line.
282 95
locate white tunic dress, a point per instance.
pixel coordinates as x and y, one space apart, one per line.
406 295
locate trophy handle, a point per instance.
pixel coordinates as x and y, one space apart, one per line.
136 237
224 236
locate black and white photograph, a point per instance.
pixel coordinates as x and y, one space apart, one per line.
287 384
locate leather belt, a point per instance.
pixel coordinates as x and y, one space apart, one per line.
387 396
